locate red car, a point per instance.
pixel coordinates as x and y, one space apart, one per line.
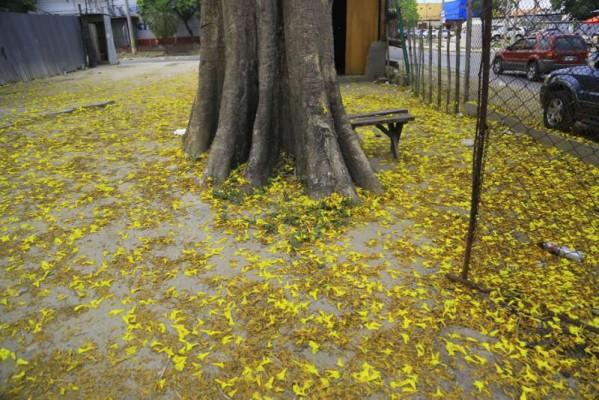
542 52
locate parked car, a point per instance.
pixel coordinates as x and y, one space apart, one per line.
570 95
434 33
540 53
512 33
445 33
423 33
413 33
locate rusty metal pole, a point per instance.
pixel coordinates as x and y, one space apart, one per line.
458 59
468 52
480 140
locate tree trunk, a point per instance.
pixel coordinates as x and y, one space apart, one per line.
268 84
188 28
186 16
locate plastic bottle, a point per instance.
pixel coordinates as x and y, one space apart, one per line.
562 251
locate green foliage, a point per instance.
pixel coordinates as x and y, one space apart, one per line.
160 16
578 9
186 9
500 7
159 11
409 12
21 6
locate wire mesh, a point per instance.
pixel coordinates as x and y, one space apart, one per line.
538 211
540 178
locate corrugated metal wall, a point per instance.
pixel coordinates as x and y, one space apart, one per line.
35 46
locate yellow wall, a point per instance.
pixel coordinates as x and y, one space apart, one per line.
429 11
362 29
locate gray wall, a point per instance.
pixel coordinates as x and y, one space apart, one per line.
35 46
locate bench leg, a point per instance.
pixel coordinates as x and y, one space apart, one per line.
395 131
394 134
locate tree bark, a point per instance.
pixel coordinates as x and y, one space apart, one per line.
204 117
268 85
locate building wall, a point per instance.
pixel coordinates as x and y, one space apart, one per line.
146 37
59 7
120 32
116 9
429 12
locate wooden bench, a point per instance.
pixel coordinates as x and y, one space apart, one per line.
390 122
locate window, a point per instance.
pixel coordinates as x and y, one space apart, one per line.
531 43
570 43
519 44
544 44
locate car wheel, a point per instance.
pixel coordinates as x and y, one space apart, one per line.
496 38
558 112
532 71
497 66
518 37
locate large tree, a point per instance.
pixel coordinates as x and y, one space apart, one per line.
186 10
503 8
20 6
409 12
578 9
267 84
160 16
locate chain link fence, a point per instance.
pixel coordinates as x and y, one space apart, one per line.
535 199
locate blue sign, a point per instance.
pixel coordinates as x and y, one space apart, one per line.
456 10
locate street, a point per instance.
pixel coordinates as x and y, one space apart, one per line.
395 54
511 91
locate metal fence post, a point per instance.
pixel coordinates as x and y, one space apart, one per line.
458 57
468 52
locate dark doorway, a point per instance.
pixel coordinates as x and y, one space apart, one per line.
340 33
94 36
102 41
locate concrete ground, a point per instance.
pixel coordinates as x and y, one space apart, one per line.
122 277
